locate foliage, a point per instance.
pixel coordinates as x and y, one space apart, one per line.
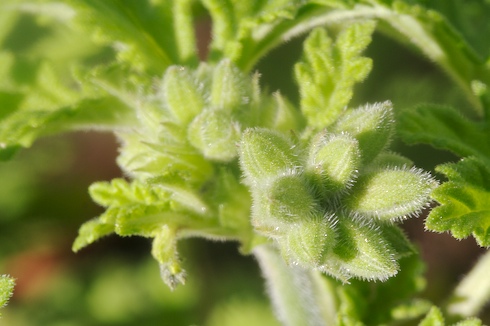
311 189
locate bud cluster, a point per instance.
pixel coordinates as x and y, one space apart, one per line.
330 201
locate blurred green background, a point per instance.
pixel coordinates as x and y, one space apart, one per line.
44 199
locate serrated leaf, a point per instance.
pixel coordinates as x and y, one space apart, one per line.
328 72
391 194
90 232
465 201
235 31
444 128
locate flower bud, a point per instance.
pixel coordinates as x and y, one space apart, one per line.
215 134
181 93
265 154
391 194
371 125
333 161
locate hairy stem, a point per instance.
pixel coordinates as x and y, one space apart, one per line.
300 297
473 292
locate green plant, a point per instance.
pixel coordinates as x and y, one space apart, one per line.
311 189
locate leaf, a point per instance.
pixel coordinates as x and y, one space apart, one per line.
465 201
444 128
328 72
433 318
235 26
148 35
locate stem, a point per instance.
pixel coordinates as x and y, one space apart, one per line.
300 297
473 292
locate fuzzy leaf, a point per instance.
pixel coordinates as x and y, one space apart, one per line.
465 201
328 72
90 232
444 128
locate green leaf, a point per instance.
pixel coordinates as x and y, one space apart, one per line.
90 232
391 194
328 72
7 284
239 26
433 318
148 35
444 128
465 201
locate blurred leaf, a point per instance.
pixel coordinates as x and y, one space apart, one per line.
444 128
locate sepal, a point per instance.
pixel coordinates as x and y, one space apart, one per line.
182 94
333 162
215 134
265 154
164 250
230 87
391 194
371 125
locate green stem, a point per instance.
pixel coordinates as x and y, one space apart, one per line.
473 292
300 297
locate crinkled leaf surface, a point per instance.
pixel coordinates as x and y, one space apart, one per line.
445 128
465 201
327 74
